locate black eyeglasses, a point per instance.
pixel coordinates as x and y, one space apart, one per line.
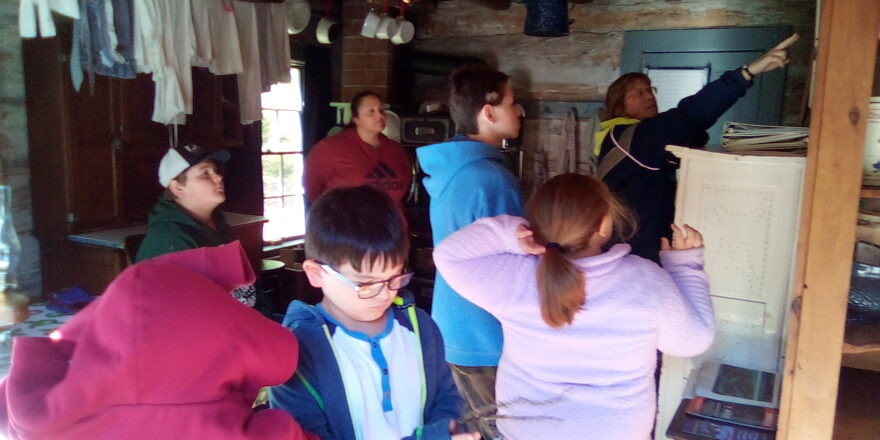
373 288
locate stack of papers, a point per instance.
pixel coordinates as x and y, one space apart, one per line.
774 140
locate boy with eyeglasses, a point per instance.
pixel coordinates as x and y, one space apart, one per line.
371 365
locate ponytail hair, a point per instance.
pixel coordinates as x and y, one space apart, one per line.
564 214
561 288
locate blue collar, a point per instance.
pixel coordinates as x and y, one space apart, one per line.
359 335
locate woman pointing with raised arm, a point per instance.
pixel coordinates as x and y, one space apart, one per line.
633 137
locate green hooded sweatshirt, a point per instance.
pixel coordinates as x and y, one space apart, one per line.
171 229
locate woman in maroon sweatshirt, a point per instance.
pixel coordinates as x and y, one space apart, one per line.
360 155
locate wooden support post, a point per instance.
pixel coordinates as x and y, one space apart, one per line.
844 72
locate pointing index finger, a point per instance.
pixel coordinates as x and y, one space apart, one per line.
786 43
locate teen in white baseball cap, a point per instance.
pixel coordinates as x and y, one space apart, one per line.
179 159
188 214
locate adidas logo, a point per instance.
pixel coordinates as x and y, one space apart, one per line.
382 171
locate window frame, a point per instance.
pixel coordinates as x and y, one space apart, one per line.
285 240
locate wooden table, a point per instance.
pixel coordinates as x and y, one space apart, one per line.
92 260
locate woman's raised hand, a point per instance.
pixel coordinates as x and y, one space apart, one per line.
774 58
688 238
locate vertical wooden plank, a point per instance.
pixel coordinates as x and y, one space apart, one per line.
844 72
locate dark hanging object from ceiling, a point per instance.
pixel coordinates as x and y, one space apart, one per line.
546 18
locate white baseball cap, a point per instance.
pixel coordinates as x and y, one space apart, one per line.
179 159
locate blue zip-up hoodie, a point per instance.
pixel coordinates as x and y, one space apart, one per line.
466 181
329 417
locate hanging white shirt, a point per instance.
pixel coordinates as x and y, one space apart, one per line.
34 12
147 39
274 44
201 10
225 47
249 86
165 44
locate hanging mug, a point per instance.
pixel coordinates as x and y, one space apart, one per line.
299 13
387 25
405 29
327 31
371 23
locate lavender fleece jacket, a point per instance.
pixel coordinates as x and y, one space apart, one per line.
593 379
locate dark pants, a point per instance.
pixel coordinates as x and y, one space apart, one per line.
477 386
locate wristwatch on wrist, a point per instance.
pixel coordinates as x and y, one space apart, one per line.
745 68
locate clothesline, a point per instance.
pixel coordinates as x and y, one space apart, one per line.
165 38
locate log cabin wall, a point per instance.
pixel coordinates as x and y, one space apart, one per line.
14 145
578 67
581 66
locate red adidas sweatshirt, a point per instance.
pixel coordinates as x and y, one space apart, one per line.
346 160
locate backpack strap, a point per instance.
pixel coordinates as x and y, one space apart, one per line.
405 301
311 390
615 155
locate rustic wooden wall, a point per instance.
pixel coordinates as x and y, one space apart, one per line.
581 66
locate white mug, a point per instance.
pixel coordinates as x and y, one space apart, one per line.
299 13
387 27
326 33
405 31
371 24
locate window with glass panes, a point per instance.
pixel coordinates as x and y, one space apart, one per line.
282 156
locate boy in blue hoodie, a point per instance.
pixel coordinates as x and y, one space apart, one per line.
371 364
467 181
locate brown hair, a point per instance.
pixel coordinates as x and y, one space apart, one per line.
356 105
564 214
181 179
470 88
615 99
354 225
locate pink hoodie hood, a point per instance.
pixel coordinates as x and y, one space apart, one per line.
165 352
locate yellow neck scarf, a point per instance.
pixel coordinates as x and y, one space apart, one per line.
605 127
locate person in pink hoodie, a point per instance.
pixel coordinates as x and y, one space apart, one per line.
164 353
582 321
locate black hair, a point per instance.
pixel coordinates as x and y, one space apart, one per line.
356 104
356 225
470 88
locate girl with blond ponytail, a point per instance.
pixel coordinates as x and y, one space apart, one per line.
582 317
